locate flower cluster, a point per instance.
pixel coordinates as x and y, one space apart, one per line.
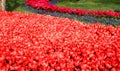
44 4
30 42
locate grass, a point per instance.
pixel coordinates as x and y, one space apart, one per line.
91 4
16 5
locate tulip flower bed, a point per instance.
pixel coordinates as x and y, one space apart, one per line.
32 42
85 18
44 4
89 18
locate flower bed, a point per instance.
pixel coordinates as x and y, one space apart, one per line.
44 4
85 18
45 43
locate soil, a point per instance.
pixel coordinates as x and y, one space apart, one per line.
0 5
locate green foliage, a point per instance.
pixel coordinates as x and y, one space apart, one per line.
15 5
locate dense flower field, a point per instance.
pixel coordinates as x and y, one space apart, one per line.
44 4
32 42
85 18
88 16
